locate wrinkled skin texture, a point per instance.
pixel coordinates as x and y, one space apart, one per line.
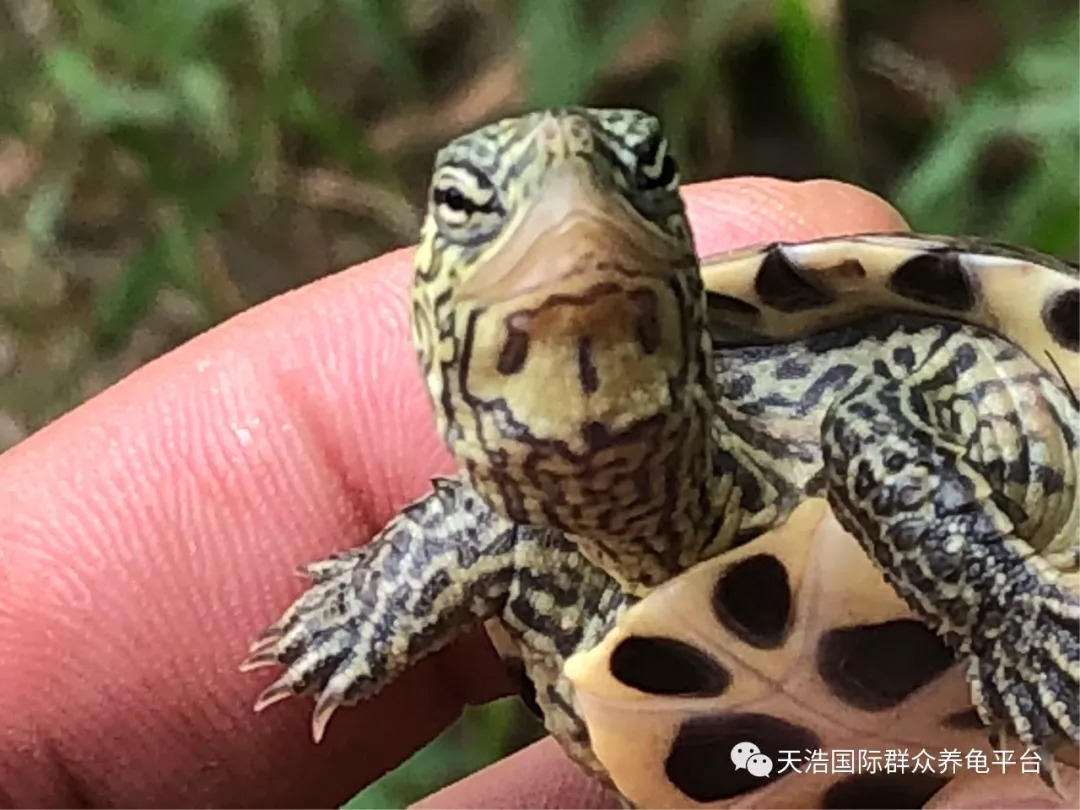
145 535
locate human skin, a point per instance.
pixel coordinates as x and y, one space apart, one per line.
148 535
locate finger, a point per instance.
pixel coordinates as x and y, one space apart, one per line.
1011 789
150 534
540 776
750 210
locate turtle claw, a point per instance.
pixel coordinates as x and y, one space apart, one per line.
999 738
1048 775
319 570
258 659
310 570
266 639
322 570
278 691
327 704
264 651
308 674
1048 771
358 626
322 644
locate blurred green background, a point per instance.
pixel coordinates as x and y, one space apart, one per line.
165 164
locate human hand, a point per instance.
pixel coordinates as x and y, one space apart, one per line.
149 535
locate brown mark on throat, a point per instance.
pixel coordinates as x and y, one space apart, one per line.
515 349
587 373
647 326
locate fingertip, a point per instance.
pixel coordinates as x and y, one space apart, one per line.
540 776
1013 789
741 211
149 537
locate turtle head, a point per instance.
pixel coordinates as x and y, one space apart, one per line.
559 316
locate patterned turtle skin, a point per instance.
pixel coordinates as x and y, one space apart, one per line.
621 411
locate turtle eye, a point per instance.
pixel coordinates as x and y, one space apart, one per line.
462 198
656 168
454 200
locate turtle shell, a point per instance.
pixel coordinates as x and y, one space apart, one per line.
784 291
785 673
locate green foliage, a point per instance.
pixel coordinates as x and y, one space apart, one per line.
564 54
811 49
205 104
383 27
699 85
483 735
198 96
1031 100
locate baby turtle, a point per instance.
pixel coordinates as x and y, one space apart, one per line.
621 412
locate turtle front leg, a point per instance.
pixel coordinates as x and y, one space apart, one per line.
919 498
441 564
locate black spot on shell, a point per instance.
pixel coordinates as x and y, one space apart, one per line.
587 375
514 351
720 305
752 599
937 279
1061 316
780 285
965 720
665 666
875 667
883 790
699 763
